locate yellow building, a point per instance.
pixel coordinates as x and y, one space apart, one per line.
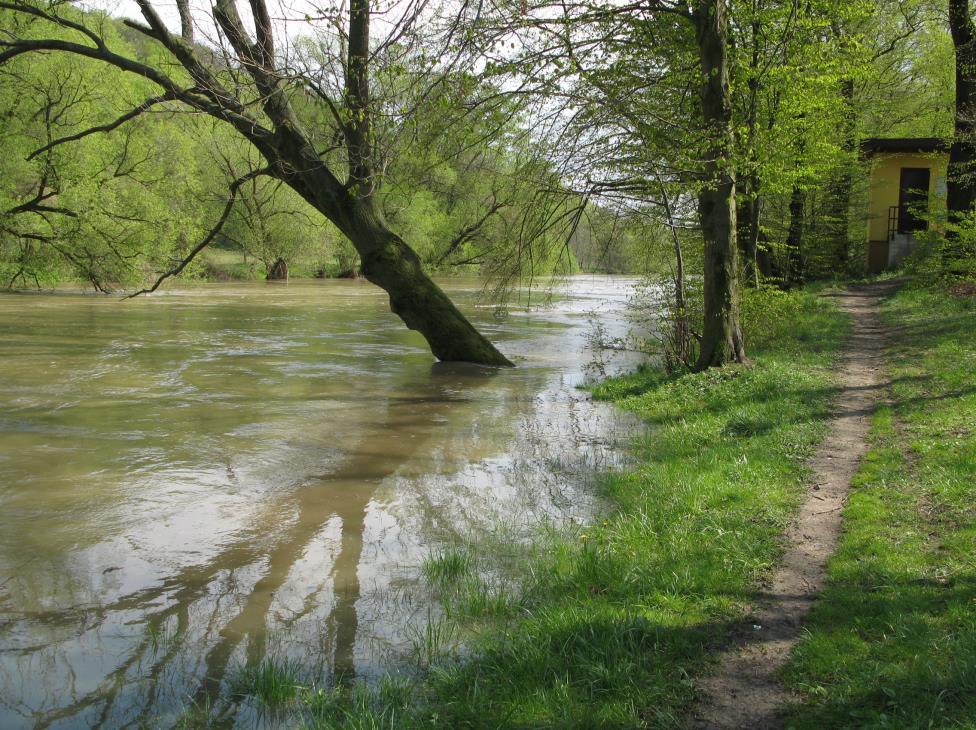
908 180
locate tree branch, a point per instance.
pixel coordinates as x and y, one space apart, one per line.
234 188
468 232
186 20
144 106
263 31
358 130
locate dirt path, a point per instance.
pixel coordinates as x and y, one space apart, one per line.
744 691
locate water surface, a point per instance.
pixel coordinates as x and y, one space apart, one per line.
194 480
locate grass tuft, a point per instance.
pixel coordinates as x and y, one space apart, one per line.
447 567
273 682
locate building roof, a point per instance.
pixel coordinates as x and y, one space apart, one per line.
874 145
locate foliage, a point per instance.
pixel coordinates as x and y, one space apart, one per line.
566 174
946 252
116 209
807 82
100 209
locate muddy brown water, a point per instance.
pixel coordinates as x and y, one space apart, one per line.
193 481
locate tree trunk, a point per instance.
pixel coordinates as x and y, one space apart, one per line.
392 265
278 271
748 222
794 238
839 199
962 155
387 261
749 204
681 345
721 335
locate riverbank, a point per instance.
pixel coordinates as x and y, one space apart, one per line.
608 625
618 627
614 624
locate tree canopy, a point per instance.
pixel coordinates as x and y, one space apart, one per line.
513 139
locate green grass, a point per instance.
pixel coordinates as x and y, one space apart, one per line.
447 567
892 642
605 625
273 682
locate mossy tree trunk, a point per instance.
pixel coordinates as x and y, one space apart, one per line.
721 341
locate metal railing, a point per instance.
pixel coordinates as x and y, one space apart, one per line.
894 213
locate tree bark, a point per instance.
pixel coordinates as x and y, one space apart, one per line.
392 265
794 238
962 154
721 341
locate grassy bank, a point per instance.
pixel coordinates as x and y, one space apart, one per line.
892 642
605 625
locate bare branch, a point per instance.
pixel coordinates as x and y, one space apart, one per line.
144 106
234 188
263 30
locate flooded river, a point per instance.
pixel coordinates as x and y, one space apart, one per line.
194 480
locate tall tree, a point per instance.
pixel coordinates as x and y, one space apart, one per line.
721 340
640 96
254 95
962 154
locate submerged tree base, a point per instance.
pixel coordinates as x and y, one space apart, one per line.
605 624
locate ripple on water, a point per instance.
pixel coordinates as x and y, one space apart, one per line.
198 479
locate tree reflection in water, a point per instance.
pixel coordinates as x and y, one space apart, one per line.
322 571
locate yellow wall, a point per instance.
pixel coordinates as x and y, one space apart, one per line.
885 176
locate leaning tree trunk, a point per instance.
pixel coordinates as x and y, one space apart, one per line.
387 260
721 341
392 265
279 136
962 155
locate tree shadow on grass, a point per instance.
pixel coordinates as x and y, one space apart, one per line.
576 666
893 651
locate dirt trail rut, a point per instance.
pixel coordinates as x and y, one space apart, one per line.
744 691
